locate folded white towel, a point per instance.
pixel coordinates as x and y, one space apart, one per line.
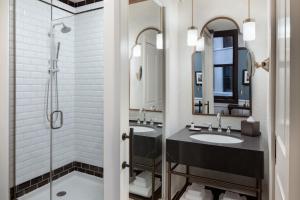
196 189
144 179
144 191
222 197
190 196
207 196
231 196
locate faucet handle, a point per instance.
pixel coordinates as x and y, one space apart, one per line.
210 129
151 122
138 121
228 130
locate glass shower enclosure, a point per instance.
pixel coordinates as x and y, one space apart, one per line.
57 91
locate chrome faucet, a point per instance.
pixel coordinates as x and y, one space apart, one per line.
144 113
219 118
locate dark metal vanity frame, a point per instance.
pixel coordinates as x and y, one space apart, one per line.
208 182
155 163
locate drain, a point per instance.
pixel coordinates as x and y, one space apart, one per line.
61 193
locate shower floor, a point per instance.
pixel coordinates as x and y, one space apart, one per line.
79 186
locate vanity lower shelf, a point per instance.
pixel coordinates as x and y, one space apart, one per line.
252 192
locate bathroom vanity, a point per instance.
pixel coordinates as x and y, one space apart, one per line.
232 154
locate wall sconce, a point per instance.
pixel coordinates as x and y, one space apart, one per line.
249 27
159 35
200 44
159 41
137 48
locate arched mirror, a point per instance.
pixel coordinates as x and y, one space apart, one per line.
221 69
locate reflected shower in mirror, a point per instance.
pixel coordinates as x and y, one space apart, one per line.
221 68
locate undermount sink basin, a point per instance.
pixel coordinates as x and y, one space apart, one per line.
219 139
141 129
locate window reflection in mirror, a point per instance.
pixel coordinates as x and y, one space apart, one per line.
220 74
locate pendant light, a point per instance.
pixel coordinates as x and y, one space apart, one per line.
249 27
159 35
192 33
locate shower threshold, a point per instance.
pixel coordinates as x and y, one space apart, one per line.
76 185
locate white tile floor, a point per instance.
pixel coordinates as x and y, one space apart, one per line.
78 186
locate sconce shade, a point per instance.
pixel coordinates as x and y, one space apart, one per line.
159 41
137 50
249 30
200 44
192 36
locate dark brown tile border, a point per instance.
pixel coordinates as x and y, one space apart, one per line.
37 182
81 3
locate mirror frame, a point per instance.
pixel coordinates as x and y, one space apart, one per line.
193 70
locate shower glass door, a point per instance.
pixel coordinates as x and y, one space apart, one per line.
58 93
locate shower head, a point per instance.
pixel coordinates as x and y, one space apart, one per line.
65 29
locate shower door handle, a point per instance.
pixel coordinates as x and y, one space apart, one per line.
61 117
124 164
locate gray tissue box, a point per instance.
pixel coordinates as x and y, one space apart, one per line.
250 128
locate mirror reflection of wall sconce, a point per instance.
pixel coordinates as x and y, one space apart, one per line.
137 48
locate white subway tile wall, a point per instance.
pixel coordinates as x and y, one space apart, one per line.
89 87
80 89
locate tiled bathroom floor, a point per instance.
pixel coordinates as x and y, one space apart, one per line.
78 186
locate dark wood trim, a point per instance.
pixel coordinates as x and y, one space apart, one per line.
37 182
79 4
135 1
235 35
45 2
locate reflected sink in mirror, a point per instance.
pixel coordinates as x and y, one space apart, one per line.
219 139
141 129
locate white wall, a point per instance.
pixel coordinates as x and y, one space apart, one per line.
4 100
89 87
116 99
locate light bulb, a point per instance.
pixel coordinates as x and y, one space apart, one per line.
249 30
159 41
200 44
137 50
192 36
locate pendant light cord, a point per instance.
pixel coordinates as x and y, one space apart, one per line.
192 13
249 9
161 20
